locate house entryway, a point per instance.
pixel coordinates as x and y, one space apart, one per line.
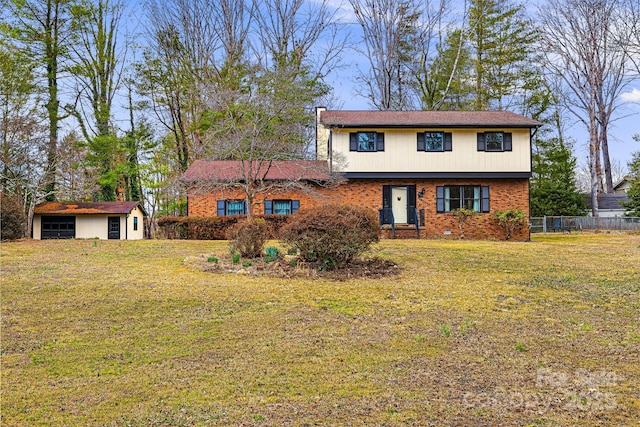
114 227
399 204
398 216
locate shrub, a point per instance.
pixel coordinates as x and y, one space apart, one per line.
14 220
249 237
462 215
331 235
272 254
211 228
509 220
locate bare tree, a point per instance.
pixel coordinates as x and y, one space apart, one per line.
42 28
578 37
391 43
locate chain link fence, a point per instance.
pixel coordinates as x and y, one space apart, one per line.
569 224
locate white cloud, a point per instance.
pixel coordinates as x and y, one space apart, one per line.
633 96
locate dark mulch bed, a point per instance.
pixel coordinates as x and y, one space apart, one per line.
290 267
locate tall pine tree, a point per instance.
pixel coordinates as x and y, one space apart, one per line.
553 186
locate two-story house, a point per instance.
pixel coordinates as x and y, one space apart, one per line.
414 168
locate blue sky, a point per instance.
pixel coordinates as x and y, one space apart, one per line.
343 80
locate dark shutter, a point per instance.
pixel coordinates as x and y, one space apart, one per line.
295 205
507 142
421 143
353 141
268 207
385 217
485 199
411 204
481 143
244 207
448 141
221 205
439 199
380 141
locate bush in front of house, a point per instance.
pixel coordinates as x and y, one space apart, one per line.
249 237
14 220
509 220
211 228
331 235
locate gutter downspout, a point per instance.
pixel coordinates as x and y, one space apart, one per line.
126 227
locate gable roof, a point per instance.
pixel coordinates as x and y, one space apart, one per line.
87 208
505 119
609 201
231 170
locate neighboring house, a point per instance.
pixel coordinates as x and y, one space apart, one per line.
609 205
412 167
623 186
89 220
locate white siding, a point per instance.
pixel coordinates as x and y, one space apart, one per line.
94 226
401 154
131 233
37 227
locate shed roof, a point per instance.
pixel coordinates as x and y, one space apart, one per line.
346 118
609 201
86 208
231 170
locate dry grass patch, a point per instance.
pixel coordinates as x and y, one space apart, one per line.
469 333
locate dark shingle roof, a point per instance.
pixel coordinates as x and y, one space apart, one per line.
343 118
86 208
608 201
231 170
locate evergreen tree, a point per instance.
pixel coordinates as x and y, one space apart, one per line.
553 186
501 40
444 84
633 205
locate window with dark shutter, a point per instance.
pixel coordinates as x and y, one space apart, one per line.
439 199
508 145
481 143
452 197
485 199
268 207
366 141
495 141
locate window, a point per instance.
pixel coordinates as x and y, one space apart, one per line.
232 207
435 141
281 207
366 141
452 197
135 223
494 141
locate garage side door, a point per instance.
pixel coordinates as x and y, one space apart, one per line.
58 227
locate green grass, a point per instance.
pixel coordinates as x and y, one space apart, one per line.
470 333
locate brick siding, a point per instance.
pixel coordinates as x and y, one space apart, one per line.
504 194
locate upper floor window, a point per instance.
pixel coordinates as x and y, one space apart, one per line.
281 207
494 141
232 207
366 141
452 197
434 141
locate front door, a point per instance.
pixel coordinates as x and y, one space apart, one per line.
399 204
114 227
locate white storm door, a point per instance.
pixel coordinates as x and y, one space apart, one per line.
399 204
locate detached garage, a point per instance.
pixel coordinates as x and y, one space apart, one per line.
89 220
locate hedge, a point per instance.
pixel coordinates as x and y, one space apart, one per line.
211 228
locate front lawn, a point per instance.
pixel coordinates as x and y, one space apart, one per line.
122 333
